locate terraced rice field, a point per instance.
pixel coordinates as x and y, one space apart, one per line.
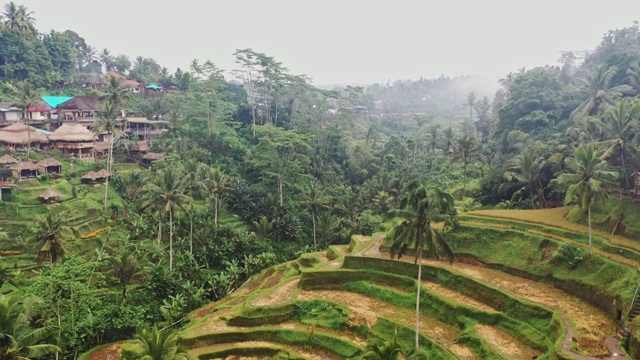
266 304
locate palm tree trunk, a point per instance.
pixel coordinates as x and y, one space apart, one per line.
419 258
624 168
280 190
191 233
170 239
159 228
589 220
28 139
109 156
533 204
313 217
464 180
215 208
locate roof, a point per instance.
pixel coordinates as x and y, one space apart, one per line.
54 101
132 83
50 193
141 145
7 106
153 87
101 146
137 120
8 159
153 156
72 132
45 132
20 133
38 108
24 165
84 103
7 185
49 162
92 175
114 74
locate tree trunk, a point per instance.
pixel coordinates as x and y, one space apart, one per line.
589 219
464 180
533 204
28 139
215 208
280 190
170 239
313 217
191 233
418 297
124 291
109 156
624 168
159 228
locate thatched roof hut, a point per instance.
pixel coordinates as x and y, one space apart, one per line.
91 175
153 156
50 165
50 193
21 134
95 175
73 139
7 160
141 146
24 169
72 132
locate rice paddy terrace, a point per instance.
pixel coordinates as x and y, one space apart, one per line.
503 298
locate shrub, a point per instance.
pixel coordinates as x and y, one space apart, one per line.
569 254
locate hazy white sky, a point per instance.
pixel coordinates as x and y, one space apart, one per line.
344 41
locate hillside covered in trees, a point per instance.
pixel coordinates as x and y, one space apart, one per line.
260 166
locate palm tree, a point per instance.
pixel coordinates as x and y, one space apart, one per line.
18 17
600 93
419 206
620 127
262 228
108 122
586 173
448 135
471 103
124 266
116 93
217 181
160 344
383 350
24 95
17 339
106 59
315 199
174 123
47 234
194 186
466 149
166 193
525 169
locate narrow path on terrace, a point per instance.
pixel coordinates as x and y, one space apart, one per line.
593 325
307 353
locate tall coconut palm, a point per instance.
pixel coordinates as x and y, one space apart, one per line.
217 181
526 169
419 206
47 233
18 17
108 123
165 193
116 92
315 199
194 186
619 126
600 93
466 149
18 340
106 59
160 344
24 95
471 103
586 174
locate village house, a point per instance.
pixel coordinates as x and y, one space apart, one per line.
19 135
74 140
79 109
144 128
9 114
24 170
50 166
